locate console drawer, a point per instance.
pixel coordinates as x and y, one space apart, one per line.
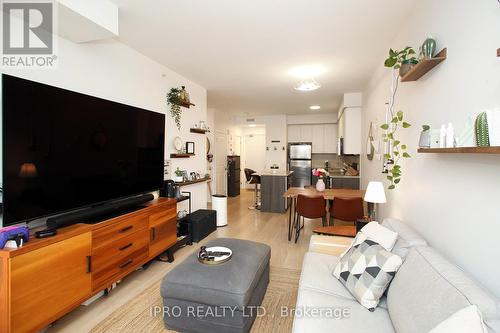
110 253
120 228
118 269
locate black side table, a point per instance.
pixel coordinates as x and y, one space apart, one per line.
361 223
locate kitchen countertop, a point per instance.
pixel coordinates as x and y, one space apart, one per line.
344 176
277 173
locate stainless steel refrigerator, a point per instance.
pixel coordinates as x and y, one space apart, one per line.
299 161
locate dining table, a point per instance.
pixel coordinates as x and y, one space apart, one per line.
328 194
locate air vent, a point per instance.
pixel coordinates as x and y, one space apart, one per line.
250 120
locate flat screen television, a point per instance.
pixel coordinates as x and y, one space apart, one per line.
63 150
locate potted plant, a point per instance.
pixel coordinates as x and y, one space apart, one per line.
320 184
403 60
425 137
174 101
178 176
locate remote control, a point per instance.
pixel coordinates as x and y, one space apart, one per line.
45 233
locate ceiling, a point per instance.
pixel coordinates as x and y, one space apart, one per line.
249 54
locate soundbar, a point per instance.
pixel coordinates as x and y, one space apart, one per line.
92 212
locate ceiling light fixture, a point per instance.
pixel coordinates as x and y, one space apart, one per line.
252 125
307 85
315 107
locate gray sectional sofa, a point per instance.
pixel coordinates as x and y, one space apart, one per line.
426 290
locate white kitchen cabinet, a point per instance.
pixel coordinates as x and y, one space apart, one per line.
322 136
350 130
306 133
329 138
318 138
294 133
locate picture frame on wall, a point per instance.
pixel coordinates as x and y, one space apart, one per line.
189 147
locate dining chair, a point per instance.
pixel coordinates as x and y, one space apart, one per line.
311 207
346 209
251 179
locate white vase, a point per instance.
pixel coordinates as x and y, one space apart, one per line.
320 185
178 179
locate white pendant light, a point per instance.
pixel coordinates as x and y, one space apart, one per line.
307 85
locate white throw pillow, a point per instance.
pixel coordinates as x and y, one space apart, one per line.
467 320
377 233
380 234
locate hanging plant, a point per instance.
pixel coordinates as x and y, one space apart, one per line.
397 150
174 101
397 58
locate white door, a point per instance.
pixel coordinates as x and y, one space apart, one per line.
293 133
255 153
220 164
352 135
306 133
318 140
237 145
330 142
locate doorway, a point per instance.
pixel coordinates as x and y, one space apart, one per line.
220 160
254 150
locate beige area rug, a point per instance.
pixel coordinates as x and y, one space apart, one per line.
136 315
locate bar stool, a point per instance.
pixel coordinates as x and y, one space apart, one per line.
346 209
253 179
311 208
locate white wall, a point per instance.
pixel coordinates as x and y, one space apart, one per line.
111 70
451 199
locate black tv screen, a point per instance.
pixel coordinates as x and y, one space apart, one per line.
64 150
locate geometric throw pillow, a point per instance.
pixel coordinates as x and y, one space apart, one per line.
366 270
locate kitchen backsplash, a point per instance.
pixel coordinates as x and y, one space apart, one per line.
335 161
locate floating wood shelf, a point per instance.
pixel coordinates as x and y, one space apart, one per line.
462 150
198 130
498 53
181 155
190 182
424 66
186 105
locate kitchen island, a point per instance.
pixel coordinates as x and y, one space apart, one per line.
272 187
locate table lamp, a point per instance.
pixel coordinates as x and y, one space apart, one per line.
374 195
28 170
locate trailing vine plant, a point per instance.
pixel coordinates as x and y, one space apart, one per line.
397 149
174 101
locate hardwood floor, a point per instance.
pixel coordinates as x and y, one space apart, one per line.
268 228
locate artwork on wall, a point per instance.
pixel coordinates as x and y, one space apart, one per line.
189 147
178 144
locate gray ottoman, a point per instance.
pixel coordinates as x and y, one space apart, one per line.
219 298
